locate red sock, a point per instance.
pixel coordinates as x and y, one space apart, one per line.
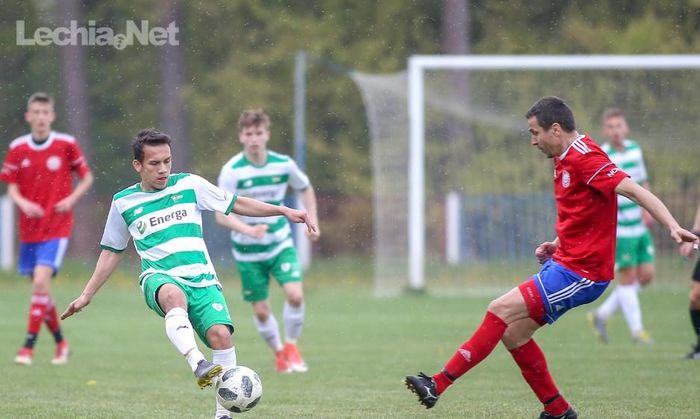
52 322
473 351
37 310
533 365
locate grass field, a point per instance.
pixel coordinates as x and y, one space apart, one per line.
358 348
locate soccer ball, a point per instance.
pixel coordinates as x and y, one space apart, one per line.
238 389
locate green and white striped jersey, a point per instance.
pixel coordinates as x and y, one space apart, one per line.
629 214
166 226
267 183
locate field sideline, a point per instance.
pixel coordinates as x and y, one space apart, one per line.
358 349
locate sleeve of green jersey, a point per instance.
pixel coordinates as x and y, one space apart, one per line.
230 206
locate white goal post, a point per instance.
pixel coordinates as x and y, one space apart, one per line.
7 233
419 64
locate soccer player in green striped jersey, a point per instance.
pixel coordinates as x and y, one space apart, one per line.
162 214
264 247
635 248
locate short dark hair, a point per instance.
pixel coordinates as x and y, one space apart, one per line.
253 118
150 137
550 110
612 113
39 97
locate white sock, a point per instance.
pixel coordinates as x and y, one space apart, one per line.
293 321
181 334
629 302
227 359
270 332
224 357
609 306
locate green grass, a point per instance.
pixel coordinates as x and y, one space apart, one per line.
358 348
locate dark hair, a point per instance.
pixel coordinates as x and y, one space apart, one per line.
253 118
612 113
550 110
150 137
39 97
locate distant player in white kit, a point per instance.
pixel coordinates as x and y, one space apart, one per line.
162 214
264 247
634 256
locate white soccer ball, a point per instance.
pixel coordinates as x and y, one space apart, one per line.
238 389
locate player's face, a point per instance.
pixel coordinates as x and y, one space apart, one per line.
615 129
547 141
155 168
254 138
40 116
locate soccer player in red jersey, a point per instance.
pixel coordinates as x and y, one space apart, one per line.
577 265
38 169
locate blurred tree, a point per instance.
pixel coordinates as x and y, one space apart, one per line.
76 111
456 35
173 115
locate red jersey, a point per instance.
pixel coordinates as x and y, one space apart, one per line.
43 173
584 187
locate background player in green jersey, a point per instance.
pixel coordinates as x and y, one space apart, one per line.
634 259
264 247
162 214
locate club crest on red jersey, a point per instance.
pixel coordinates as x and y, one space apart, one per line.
565 179
53 163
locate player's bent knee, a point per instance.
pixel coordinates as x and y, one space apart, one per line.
219 337
295 299
261 311
170 296
498 307
646 275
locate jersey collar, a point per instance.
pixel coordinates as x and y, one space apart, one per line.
43 146
562 155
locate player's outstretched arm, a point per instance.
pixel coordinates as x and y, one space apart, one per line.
656 208
106 264
254 208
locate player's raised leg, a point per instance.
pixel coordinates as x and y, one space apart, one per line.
501 311
173 302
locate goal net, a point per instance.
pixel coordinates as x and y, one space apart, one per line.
461 198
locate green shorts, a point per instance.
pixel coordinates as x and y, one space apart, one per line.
255 276
634 251
206 306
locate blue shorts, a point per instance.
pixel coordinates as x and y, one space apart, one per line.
49 253
556 290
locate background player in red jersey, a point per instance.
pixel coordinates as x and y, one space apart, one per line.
38 169
577 265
